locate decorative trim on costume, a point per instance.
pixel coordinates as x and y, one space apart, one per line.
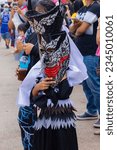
64 103
51 45
55 117
56 124
39 26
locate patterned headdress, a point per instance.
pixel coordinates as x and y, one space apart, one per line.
49 22
54 41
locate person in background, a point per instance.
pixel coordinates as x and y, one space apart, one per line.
98 38
97 132
72 7
98 43
17 17
21 32
77 4
86 42
12 32
4 19
29 47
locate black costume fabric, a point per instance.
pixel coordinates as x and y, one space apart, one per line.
60 92
49 23
59 139
55 127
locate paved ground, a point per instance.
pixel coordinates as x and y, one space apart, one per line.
9 130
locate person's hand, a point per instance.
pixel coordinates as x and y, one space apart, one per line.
17 71
19 11
27 48
19 45
75 20
43 85
12 13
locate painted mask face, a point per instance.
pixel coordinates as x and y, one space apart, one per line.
55 42
56 62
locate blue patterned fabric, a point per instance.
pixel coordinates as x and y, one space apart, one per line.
26 119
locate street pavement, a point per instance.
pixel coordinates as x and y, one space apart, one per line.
9 129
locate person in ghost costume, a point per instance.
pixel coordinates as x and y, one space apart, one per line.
49 84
